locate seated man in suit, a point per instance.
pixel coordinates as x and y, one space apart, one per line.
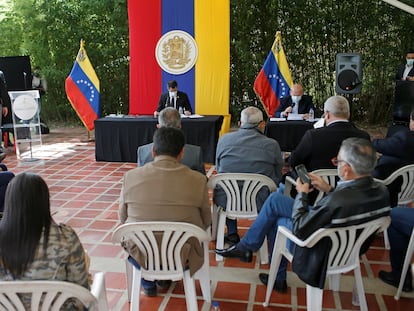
318 146
397 151
174 98
193 155
406 72
166 190
296 102
359 198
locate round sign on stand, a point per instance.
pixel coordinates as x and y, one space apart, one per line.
25 108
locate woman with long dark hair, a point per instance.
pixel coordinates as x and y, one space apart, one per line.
32 245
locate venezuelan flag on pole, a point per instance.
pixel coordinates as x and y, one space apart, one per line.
82 89
274 80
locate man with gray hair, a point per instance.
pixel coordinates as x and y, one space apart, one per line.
193 156
247 150
318 146
358 198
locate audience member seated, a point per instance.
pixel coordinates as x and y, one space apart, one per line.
193 155
5 177
247 150
165 190
397 151
399 234
318 146
32 245
295 103
356 199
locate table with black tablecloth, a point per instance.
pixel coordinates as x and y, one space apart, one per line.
117 138
287 133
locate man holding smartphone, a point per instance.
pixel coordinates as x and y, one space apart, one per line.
356 199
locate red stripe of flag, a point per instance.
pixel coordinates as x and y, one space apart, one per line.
80 104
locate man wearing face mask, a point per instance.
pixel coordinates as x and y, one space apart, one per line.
174 98
358 198
296 103
406 72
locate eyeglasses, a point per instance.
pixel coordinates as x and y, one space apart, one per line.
335 161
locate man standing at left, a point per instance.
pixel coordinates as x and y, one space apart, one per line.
5 105
166 190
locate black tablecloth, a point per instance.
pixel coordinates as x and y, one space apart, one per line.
287 133
117 138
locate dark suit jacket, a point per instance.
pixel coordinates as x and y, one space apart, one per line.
193 157
318 146
182 101
305 104
397 151
400 72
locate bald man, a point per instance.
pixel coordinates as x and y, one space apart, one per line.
296 102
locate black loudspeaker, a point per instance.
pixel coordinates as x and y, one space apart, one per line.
348 73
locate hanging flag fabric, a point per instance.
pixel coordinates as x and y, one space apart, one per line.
82 89
274 79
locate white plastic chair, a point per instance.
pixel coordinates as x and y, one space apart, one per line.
164 261
51 295
407 261
406 194
343 257
329 175
241 203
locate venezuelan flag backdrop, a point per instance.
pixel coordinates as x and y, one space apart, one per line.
207 83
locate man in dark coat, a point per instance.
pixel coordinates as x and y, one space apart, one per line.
174 98
297 102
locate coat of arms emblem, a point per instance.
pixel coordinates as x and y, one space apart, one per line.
176 52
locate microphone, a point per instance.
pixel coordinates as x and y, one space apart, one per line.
24 78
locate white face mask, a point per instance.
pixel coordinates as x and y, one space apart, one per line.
296 99
338 171
173 94
410 62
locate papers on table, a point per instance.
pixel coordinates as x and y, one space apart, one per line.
319 123
295 116
192 116
277 119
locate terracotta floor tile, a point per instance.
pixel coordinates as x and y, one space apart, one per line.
276 297
92 236
115 280
90 213
233 291
112 251
103 225
78 222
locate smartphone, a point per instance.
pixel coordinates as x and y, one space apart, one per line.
303 174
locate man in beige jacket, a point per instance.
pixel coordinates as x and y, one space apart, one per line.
165 190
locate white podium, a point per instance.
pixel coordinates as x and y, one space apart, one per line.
26 123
